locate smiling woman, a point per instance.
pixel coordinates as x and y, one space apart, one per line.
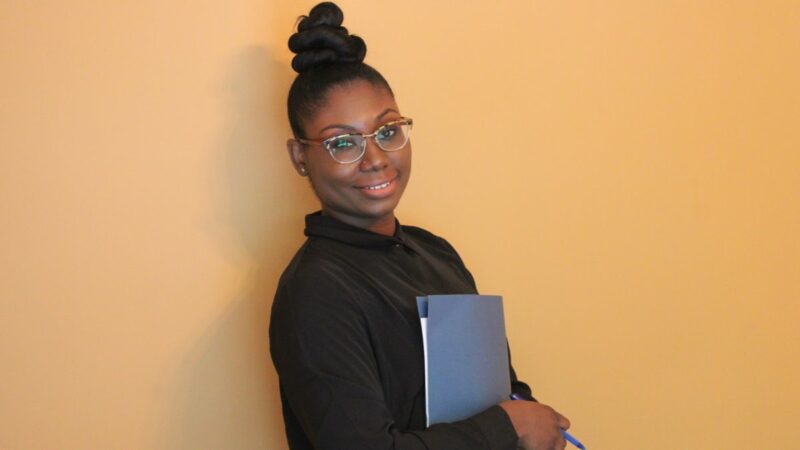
345 336
364 188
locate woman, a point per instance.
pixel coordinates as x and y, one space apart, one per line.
345 336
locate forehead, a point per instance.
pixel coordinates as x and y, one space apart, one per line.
359 104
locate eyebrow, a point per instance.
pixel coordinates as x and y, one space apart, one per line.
353 129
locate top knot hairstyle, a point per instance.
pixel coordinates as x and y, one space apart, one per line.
326 55
321 39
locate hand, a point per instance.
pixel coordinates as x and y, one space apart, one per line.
538 426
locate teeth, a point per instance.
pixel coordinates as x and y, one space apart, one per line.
380 186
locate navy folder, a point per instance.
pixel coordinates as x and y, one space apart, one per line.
466 355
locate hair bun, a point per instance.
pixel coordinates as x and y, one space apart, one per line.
321 40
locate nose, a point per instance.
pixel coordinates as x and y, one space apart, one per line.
374 158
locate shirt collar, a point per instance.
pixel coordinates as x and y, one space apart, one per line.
318 225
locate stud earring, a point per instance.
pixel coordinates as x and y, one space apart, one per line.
302 170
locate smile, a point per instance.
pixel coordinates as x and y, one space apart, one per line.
378 186
381 190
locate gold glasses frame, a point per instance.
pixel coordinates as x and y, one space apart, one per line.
327 143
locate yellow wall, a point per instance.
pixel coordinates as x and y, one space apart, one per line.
625 173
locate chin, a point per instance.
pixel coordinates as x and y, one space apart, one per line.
381 212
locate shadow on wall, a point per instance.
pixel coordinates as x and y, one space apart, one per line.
226 394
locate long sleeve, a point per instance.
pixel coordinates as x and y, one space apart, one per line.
346 341
333 388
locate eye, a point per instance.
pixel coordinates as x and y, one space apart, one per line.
387 132
341 143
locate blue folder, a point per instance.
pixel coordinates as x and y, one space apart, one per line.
466 355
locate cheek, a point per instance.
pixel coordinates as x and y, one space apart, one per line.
322 168
402 160
327 178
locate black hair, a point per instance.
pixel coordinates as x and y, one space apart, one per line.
326 55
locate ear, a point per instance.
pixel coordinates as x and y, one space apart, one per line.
297 153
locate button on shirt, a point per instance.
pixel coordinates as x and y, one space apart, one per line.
345 339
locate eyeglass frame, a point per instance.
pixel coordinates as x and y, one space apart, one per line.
326 142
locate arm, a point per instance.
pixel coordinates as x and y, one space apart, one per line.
331 383
537 425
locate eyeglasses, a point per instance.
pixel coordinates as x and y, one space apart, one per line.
349 148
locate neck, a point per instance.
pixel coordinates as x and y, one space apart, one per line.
385 227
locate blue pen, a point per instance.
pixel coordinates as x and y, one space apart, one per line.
570 438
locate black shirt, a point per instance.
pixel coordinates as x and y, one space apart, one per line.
345 339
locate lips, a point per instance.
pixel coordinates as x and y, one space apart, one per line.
379 189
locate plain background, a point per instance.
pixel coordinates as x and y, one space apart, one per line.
625 173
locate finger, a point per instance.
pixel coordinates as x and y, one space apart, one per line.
562 443
562 422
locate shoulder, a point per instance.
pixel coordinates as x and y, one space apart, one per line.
425 237
318 280
317 301
432 242
439 248
317 259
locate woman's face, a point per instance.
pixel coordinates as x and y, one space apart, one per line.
364 193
